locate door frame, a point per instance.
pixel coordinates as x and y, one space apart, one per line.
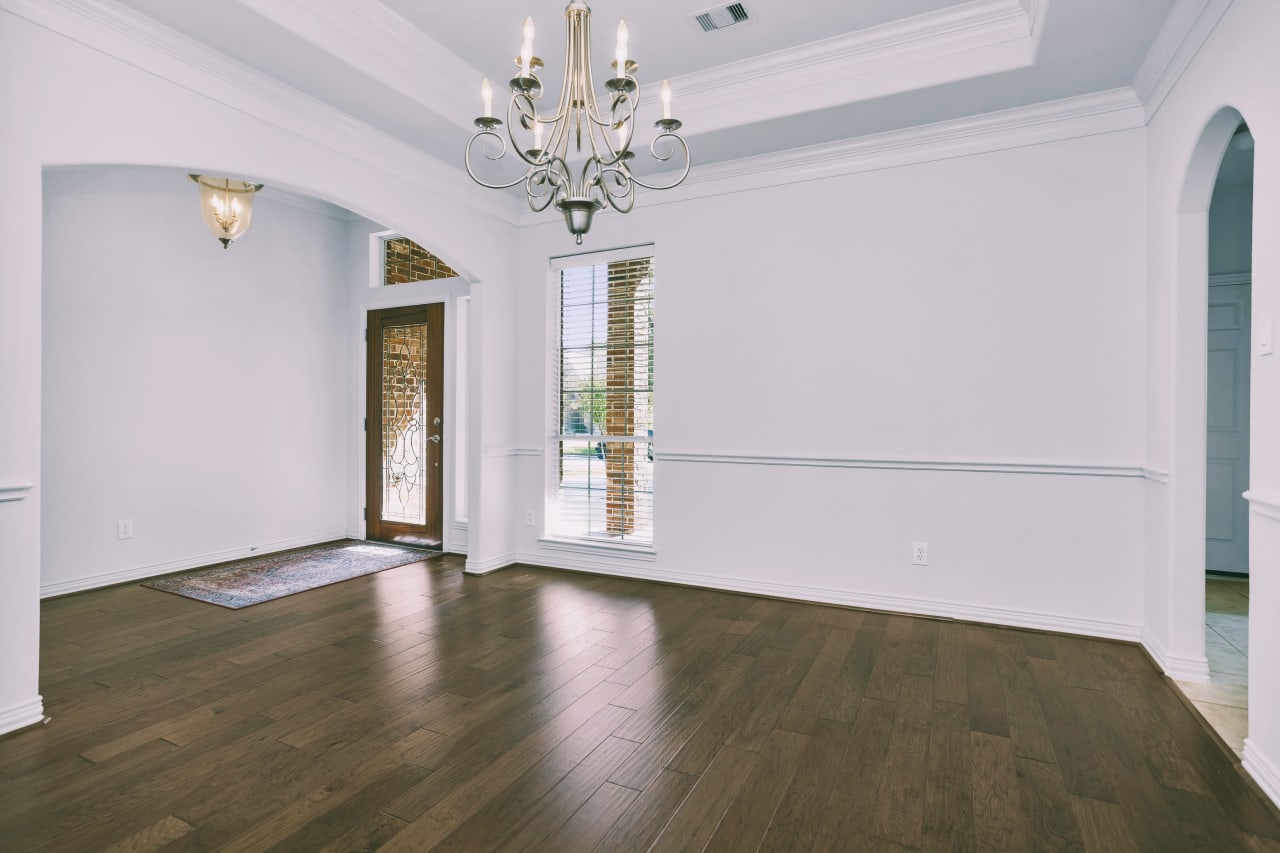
431 532
454 294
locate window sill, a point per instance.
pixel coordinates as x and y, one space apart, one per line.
610 549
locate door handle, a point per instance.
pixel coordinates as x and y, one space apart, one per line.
434 438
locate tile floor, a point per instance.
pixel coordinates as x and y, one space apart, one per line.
1224 700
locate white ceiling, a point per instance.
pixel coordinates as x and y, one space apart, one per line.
802 72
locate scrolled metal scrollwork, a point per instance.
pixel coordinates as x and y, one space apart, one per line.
605 178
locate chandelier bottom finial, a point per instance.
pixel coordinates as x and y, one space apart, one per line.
577 215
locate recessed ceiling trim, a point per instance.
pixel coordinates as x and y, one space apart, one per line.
1185 31
971 25
138 40
961 42
368 36
1053 121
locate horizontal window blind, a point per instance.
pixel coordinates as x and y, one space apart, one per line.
604 397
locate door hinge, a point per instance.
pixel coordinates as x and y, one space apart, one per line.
366 424
366 334
365 513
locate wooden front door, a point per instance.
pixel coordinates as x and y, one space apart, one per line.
404 429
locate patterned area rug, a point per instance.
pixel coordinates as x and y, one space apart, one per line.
258 579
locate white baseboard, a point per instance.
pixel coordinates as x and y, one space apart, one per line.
21 715
195 562
1194 670
483 567
852 598
1263 770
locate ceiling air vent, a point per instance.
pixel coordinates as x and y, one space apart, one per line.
721 17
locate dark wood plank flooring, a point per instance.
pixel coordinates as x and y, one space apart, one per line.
417 709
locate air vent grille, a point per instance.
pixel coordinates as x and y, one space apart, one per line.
721 17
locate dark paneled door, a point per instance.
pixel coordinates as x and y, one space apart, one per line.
404 430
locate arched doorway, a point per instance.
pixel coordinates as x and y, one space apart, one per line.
1209 520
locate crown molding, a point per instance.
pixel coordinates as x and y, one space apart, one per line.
1051 121
1185 31
368 36
138 40
12 491
957 43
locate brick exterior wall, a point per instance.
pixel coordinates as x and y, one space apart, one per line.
406 261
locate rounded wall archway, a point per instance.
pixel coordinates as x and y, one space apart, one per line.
1188 480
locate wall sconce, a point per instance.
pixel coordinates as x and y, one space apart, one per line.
227 206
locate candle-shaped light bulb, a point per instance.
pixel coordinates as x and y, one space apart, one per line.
526 49
486 95
621 53
666 99
537 135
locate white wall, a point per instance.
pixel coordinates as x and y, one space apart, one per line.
198 391
1236 68
98 96
985 309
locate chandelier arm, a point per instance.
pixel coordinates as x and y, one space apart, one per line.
626 189
471 171
653 150
522 106
540 201
628 121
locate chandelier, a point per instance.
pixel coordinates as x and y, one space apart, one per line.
600 141
227 206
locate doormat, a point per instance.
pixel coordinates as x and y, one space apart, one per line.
255 580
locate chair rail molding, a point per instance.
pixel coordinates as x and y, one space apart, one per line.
13 490
989 466
1265 503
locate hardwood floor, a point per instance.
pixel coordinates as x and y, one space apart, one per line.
535 710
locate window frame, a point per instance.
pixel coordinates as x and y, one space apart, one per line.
553 536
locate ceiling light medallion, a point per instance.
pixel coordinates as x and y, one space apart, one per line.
602 141
227 205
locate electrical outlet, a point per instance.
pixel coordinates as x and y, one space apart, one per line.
124 528
919 553
528 517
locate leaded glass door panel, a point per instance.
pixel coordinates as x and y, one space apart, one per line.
404 430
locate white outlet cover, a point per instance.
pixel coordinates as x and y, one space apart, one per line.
919 553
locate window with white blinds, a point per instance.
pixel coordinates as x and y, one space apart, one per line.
604 397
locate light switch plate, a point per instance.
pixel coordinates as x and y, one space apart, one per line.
1265 345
